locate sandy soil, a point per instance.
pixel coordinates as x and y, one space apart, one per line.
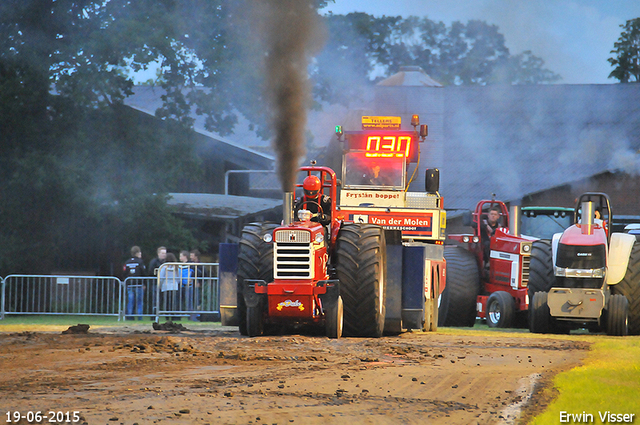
215 376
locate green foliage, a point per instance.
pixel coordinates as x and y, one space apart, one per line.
462 54
626 61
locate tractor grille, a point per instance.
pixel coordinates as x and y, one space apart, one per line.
524 279
293 236
293 257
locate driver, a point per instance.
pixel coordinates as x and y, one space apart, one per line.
312 198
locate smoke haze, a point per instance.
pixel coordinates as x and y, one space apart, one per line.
292 33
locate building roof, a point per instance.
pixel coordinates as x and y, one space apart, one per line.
410 76
221 207
148 99
514 140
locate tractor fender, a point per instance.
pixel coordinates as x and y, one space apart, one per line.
619 252
554 247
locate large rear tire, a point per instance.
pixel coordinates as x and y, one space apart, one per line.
617 316
458 302
255 261
630 288
501 310
541 276
361 268
540 322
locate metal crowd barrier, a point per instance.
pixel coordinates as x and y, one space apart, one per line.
86 295
188 289
179 290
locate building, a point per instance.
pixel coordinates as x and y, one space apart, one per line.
238 186
527 144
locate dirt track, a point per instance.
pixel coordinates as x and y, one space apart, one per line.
138 375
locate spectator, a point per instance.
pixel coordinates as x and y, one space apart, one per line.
134 267
202 283
186 282
169 280
152 287
155 264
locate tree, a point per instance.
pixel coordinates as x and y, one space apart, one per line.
473 53
626 61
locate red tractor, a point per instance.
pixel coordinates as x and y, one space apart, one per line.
376 265
594 276
490 279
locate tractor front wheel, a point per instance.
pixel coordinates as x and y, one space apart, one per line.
501 310
255 261
255 320
334 320
617 315
361 268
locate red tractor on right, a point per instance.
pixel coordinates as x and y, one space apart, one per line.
594 276
490 277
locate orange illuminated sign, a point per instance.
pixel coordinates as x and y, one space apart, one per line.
396 144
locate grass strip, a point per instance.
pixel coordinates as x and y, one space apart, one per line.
608 381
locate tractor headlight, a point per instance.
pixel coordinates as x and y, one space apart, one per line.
268 237
526 247
319 238
465 239
476 239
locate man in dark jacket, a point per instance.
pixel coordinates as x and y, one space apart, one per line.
487 230
134 267
155 264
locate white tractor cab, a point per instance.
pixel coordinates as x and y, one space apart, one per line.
594 275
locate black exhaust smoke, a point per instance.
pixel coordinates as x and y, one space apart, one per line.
292 35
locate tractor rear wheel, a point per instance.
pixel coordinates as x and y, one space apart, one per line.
255 261
630 288
255 320
501 309
540 322
458 301
361 268
541 276
617 315
334 321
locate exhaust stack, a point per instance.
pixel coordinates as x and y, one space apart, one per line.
514 220
287 208
586 219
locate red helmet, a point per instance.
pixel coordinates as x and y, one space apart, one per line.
311 186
